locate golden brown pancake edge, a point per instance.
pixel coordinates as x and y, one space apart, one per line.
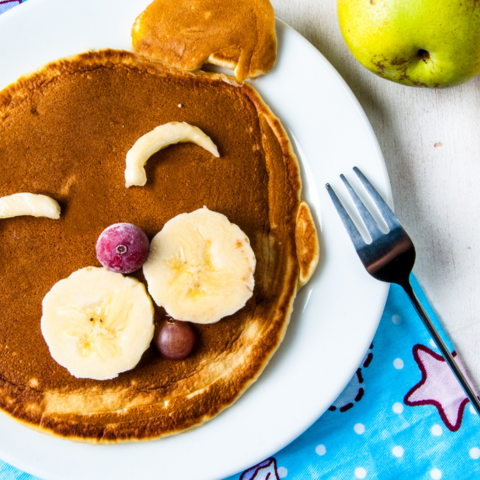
129 408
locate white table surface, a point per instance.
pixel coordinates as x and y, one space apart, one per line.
431 143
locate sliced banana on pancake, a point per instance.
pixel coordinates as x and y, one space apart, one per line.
200 267
20 204
157 139
97 323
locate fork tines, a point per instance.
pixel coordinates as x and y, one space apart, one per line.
370 223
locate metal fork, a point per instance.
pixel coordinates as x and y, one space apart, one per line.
390 258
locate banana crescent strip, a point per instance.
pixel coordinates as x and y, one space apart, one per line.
20 204
159 138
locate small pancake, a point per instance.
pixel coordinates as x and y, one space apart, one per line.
308 248
185 34
65 132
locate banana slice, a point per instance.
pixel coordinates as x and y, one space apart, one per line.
200 267
97 323
20 204
161 137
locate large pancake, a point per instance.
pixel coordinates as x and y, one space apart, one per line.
64 132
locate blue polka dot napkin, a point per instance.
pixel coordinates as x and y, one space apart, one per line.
402 416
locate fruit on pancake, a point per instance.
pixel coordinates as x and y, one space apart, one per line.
174 340
20 204
122 248
157 139
97 323
185 34
200 267
422 43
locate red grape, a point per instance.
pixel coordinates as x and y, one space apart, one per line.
122 248
174 340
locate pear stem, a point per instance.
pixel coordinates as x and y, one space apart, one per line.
424 55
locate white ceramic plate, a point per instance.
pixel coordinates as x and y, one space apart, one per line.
336 314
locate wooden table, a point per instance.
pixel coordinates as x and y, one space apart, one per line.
431 143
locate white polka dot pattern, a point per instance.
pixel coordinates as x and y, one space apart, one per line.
360 472
397 407
435 474
321 450
359 428
396 319
398 363
282 472
398 451
474 453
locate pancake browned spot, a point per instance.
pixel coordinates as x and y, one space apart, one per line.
185 34
64 132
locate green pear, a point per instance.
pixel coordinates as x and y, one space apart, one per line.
422 43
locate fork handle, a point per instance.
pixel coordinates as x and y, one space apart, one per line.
443 348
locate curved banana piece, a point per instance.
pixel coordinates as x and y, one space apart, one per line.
32 204
159 138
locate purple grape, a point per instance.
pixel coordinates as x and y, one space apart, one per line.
174 340
122 248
